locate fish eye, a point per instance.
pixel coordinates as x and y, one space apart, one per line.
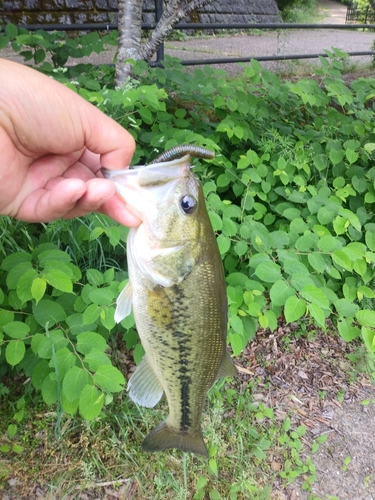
188 204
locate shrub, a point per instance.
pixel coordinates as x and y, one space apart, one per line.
290 195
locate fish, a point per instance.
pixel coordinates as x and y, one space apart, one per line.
177 291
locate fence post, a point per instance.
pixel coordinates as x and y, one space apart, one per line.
158 14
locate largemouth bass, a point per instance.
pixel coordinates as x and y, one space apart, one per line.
177 291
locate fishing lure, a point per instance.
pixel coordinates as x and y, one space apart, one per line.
184 149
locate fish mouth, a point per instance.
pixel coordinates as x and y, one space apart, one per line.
160 178
155 174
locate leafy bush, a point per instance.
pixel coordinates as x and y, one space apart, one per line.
290 195
297 11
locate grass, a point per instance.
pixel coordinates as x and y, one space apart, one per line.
301 11
243 437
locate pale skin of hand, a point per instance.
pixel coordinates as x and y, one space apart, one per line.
52 146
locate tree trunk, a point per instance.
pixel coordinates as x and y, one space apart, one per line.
130 23
129 37
174 11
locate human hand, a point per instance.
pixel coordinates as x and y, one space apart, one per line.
52 146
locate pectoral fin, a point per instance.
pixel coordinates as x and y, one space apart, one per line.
124 304
144 387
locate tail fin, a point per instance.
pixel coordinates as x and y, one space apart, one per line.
163 437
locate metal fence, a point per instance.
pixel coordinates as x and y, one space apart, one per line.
358 14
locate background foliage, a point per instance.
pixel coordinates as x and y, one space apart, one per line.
290 195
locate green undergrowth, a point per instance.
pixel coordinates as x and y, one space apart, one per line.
291 197
249 447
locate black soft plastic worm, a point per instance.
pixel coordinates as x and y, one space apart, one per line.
184 149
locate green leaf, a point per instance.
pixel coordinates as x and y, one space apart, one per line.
50 390
16 330
45 257
366 291
317 262
271 319
11 30
318 314
4 40
16 448
62 361
236 342
39 56
96 358
336 156
59 280
268 272
346 308
236 324
138 353
12 430
87 341
40 372
342 259
241 248
294 309
91 314
347 331
279 292
70 407
15 352
14 259
107 317
325 216
24 285
91 402
216 221
5 317
38 288
368 336
352 156
328 243
366 318
223 244
74 382
102 296
94 277
109 378
51 343
315 295
229 227
48 312
370 240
